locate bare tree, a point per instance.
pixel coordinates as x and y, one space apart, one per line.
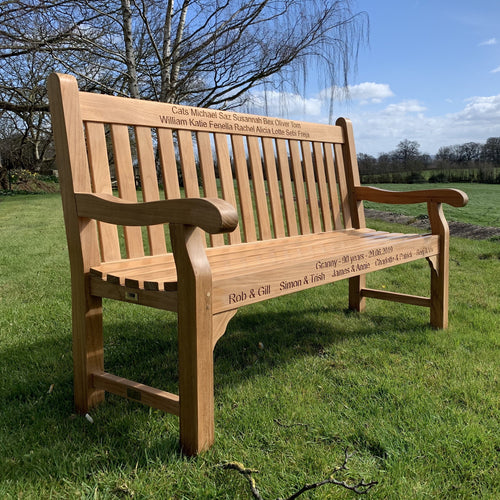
206 52
407 153
35 36
491 151
209 53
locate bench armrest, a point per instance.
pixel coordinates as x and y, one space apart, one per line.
213 215
453 197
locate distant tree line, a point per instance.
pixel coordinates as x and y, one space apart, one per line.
469 162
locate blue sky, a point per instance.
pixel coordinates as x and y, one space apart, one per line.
430 73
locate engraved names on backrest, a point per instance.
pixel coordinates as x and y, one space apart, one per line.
227 122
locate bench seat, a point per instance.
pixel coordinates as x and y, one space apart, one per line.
251 272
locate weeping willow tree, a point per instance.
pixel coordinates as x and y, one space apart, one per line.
212 53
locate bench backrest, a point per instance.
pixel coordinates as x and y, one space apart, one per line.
285 177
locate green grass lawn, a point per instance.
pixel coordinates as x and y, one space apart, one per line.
418 408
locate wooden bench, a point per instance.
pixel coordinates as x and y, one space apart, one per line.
286 194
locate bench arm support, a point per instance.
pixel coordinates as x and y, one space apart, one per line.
453 197
439 263
213 215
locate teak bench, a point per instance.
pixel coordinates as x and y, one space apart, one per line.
287 194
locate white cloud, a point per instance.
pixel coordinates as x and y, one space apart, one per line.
365 92
277 103
403 107
481 109
491 41
370 91
284 103
496 70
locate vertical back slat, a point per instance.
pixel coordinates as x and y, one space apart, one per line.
126 185
208 176
101 181
168 164
226 178
286 187
273 187
298 181
322 186
344 195
332 185
245 195
259 188
188 164
149 181
312 194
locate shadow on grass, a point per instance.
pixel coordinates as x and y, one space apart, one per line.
42 437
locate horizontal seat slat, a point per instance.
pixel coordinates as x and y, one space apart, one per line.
167 260
298 246
290 255
159 282
163 299
131 264
165 277
162 267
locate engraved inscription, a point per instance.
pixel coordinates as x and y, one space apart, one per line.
317 277
252 293
380 251
423 251
325 264
365 261
232 122
385 260
235 298
173 120
329 269
286 285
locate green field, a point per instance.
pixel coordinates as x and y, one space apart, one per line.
418 408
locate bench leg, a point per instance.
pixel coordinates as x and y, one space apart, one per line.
88 352
439 296
196 383
439 267
356 301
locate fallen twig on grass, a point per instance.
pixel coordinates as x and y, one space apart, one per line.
360 488
248 475
295 424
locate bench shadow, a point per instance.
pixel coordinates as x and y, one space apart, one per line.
41 415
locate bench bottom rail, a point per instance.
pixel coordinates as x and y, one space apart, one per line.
404 298
135 391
